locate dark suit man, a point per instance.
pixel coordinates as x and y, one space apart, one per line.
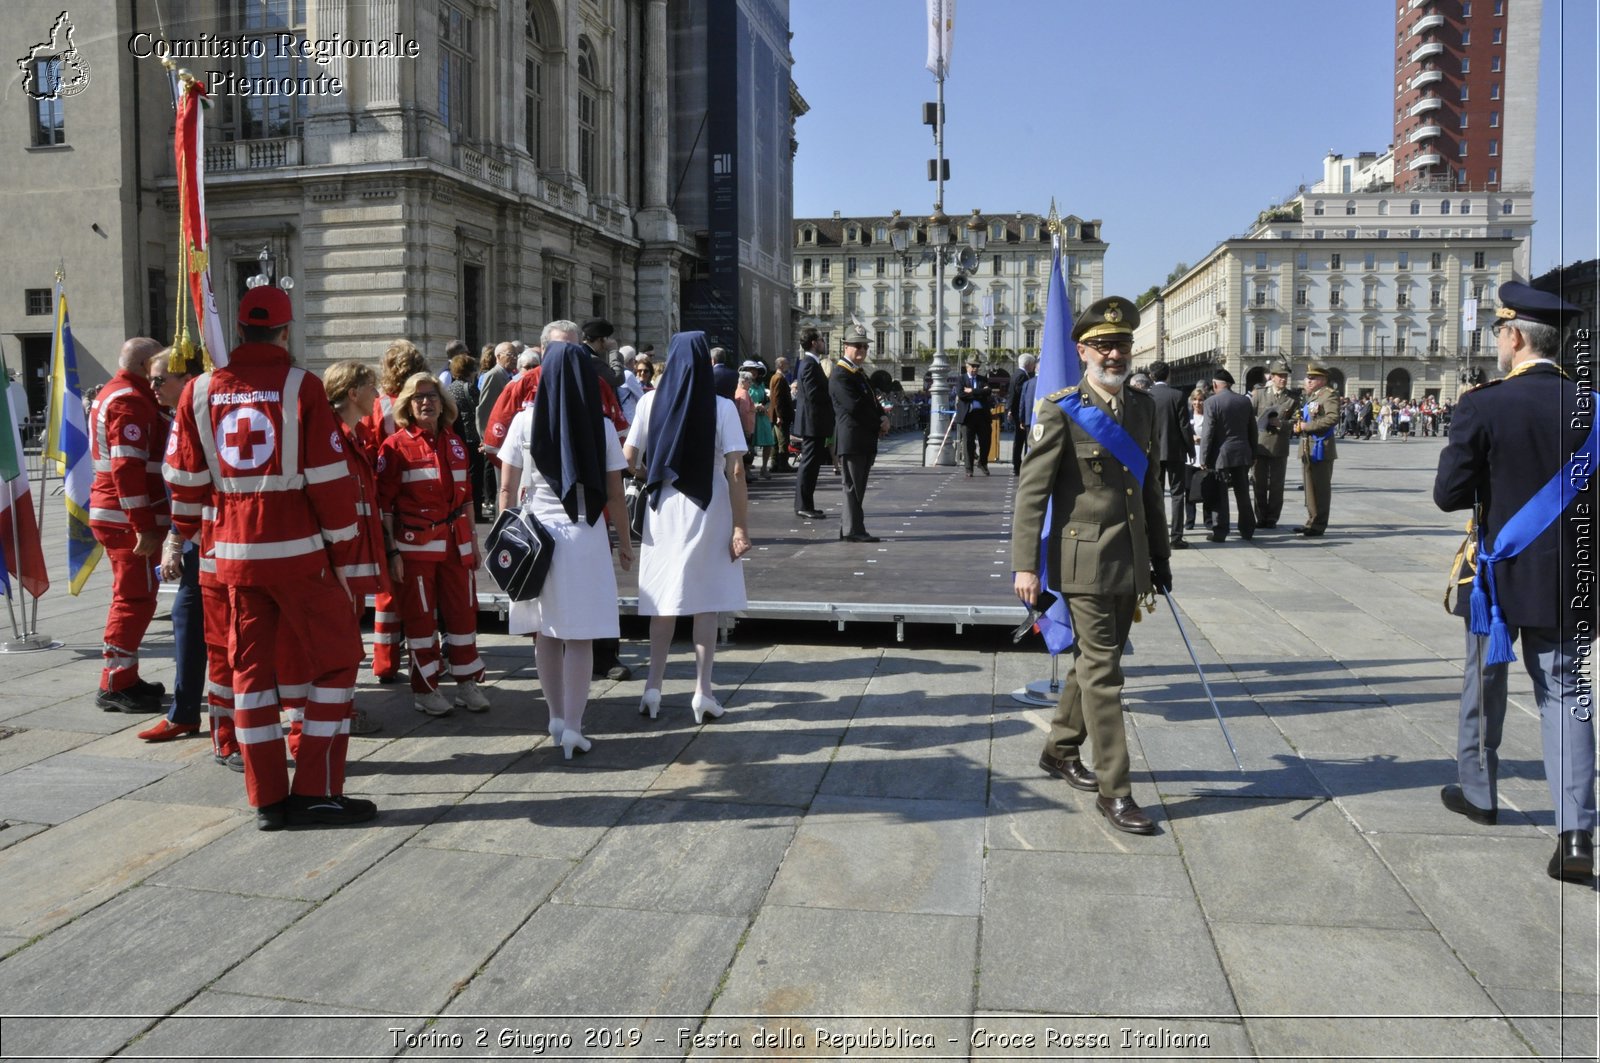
1173 433
1021 418
1227 449
973 400
859 421
1273 404
1508 440
813 422
1107 545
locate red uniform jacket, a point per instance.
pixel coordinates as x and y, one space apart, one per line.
256 445
519 394
369 574
423 484
127 434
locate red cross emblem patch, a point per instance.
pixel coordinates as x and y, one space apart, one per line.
246 439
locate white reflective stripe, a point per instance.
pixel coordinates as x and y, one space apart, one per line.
344 726
185 478
102 465
208 513
134 501
320 728
413 475
187 509
327 473
295 715
428 670
110 516
119 662
208 564
153 466
460 640
363 510
385 618
357 571
420 644
254 699
465 549
332 695
255 736
130 452
435 547
471 668
266 551
247 485
339 535
102 406
291 423
217 690
200 401
388 638
459 475
293 690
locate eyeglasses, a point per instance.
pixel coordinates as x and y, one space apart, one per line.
1500 323
157 381
1105 346
430 397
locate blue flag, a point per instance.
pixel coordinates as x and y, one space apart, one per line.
1058 368
68 446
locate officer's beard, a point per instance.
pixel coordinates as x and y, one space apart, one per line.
1108 379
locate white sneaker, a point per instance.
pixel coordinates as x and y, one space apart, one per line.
470 696
433 704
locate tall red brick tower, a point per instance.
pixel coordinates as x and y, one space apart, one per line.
1466 93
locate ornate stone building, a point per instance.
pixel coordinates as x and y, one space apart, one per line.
845 268
483 166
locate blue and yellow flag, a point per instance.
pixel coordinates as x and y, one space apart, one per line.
67 444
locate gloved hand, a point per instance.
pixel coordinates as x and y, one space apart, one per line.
1161 573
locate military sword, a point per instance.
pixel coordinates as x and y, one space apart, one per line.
1201 673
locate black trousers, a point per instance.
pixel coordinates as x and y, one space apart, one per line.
1237 482
806 470
975 439
1177 477
1019 443
856 468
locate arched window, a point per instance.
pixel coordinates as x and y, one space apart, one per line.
589 162
1444 206
1416 206
1383 208
1316 208
536 78
1350 206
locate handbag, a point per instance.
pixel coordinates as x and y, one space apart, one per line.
633 495
518 550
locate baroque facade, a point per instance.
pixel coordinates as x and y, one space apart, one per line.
500 163
846 269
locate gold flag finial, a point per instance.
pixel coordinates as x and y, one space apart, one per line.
1053 220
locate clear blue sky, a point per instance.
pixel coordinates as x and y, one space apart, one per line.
1173 122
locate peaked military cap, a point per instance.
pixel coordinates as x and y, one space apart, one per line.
856 336
1520 302
1316 368
1111 316
1278 365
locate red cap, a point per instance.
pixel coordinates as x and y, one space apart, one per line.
266 306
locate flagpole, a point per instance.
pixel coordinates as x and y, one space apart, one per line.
27 638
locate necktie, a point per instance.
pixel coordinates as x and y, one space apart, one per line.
1116 408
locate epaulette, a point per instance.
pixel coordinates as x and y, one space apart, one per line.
1486 384
1057 396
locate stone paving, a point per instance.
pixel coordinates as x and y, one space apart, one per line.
860 859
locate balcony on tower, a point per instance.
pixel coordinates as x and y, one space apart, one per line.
1430 22
1425 160
1425 51
1424 105
1427 77
1427 132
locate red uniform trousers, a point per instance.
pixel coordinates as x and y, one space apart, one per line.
448 588
133 605
219 673
314 615
388 634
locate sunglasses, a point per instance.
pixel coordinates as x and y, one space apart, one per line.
157 381
1107 346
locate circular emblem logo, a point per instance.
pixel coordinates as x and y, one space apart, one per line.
132 433
246 439
411 537
172 442
458 450
503 559
497 430
336 442
383 462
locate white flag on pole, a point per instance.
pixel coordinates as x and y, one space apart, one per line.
1469 315
941 27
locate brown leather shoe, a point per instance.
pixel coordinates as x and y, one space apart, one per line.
1124 814
1073 771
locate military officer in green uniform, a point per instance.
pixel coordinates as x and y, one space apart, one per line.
1098 469
1273 403
1318 415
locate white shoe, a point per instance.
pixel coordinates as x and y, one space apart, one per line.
650 704
470 696
572 739
703 706
432 703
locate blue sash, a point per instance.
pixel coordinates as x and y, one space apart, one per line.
1318 439
1525 525
1108 433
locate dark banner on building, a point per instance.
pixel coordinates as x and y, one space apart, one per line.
712 301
